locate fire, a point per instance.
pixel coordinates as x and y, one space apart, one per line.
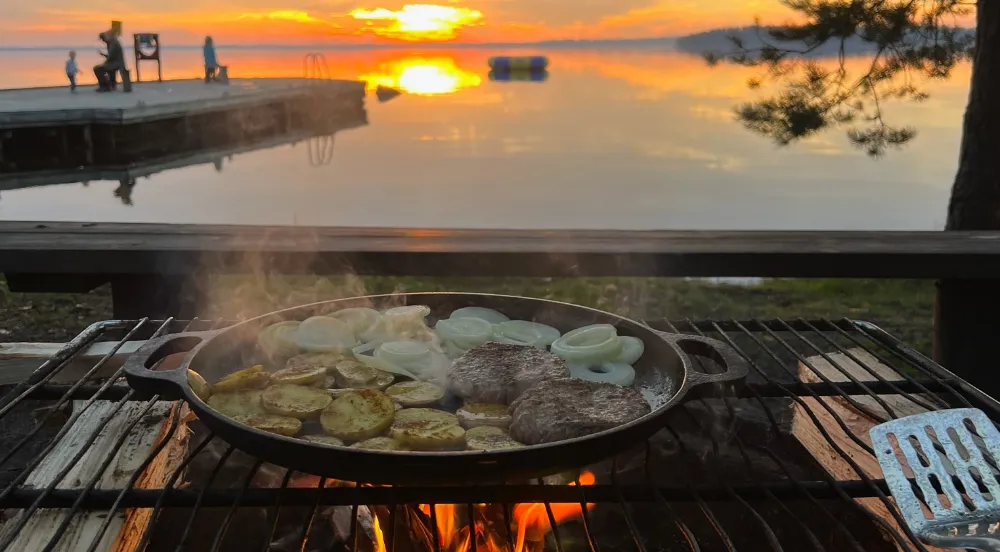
531 520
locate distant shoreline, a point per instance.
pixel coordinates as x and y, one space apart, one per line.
663 42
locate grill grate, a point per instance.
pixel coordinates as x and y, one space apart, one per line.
780 463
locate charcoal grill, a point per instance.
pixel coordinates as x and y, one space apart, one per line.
782 463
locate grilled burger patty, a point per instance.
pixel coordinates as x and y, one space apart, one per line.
559 409
499 373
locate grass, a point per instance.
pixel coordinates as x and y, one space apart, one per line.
902 307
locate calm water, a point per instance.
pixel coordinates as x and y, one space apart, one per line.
628 140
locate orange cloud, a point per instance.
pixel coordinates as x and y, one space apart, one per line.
419 21
294 16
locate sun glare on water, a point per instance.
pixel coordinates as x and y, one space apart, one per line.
419 21
423 76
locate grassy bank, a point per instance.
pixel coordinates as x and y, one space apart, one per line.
903 307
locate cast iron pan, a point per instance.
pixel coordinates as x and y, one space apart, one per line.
664 368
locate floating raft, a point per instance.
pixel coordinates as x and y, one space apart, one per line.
503 64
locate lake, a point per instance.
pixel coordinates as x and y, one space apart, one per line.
631 139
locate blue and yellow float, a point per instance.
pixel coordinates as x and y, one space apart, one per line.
505 64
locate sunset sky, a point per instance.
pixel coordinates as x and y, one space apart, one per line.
71 22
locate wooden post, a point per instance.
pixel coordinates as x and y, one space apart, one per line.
967 330
158 297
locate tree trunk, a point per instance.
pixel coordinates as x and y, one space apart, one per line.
967 316
975 197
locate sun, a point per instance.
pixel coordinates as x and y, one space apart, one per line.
419 21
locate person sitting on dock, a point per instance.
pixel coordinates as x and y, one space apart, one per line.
211 63
114 61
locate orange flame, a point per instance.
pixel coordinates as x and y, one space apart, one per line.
533 519
532 522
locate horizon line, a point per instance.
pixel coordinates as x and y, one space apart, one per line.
365 46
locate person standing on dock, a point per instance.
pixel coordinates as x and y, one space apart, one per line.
211 63
72 70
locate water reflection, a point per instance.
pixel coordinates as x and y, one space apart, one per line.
422 76
634 139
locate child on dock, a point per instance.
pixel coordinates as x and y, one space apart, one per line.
72 70
211 63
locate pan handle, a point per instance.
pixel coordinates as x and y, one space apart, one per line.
169 384
735 365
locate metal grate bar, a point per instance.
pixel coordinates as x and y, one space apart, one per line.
826 435
775 350
784 468
224 526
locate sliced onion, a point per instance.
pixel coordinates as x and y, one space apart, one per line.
364 355
522 332
632 349
415 357
400 323
489 315
359 319
279 338
607 372
589 345
464 333
322 334
403 353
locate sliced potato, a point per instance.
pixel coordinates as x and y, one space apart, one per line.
427 429
198 384
253 377
322 360
379 443
324 440
489 438
353 374
294 400
472 415
300 375
358 415
272 423
237 403
415 393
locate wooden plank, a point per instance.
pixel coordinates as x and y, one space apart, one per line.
857 422
60 247
19 360
84 527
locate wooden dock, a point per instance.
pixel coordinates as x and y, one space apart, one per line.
148 101
52 129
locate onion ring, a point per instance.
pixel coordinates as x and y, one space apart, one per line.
405 322
464 333
415 357
632 349
589 345
279 338
322 334
523 332
359 319
489 315
607 372
362 355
